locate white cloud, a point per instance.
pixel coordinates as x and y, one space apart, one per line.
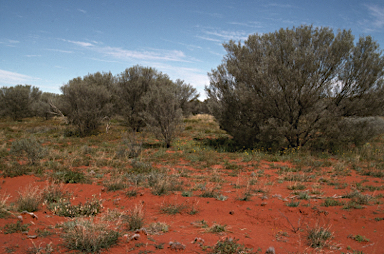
32 55
217 35
208 38
80 43
247 24
13 78
124 54
196 77
61 51
166 55
83 11
378 13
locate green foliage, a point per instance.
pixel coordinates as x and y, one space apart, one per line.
89 101
70 176
132 86
359 238
228 246
163 113
279 89
29 199
30 147
135 217
87 236
17 227
331 202
64 208
18 102
318 237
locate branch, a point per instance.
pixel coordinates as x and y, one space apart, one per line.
57 111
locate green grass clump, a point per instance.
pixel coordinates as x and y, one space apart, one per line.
331 202
229 246
29 147
87 236
319 237
17 227
135 217
29 199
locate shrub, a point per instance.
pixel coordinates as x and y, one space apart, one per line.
17 227
156 228
89 101
17 102
294 86
29 146
228 246
135 217
29 199
132 85
64 208
88 236
163 113
318 237
70 176
53 193
4 209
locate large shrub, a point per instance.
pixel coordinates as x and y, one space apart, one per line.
286 88
88 101
132 85
18 102
163 112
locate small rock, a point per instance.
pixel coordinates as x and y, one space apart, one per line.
32 236
20 218
270 250
263 204
231 212
24 232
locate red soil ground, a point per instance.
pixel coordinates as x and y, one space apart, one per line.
257 223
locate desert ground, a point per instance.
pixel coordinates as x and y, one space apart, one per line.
123 192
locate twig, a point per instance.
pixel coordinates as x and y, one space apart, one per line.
294 229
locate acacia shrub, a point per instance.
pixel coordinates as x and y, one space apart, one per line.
286 88
88 101
18 102
163 113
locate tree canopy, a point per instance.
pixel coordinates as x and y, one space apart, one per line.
285 88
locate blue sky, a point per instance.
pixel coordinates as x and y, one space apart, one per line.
47 43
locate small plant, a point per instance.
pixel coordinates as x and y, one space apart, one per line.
30 147
359 238
64 208
157 228
115 184
29 199
293 203
40 250
319 237
131 192
172 208
70 176
221 197
52 193
139 167
229 246
88 236
296 186
17 227
217 228
187 194
331 202
4 208
135 217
